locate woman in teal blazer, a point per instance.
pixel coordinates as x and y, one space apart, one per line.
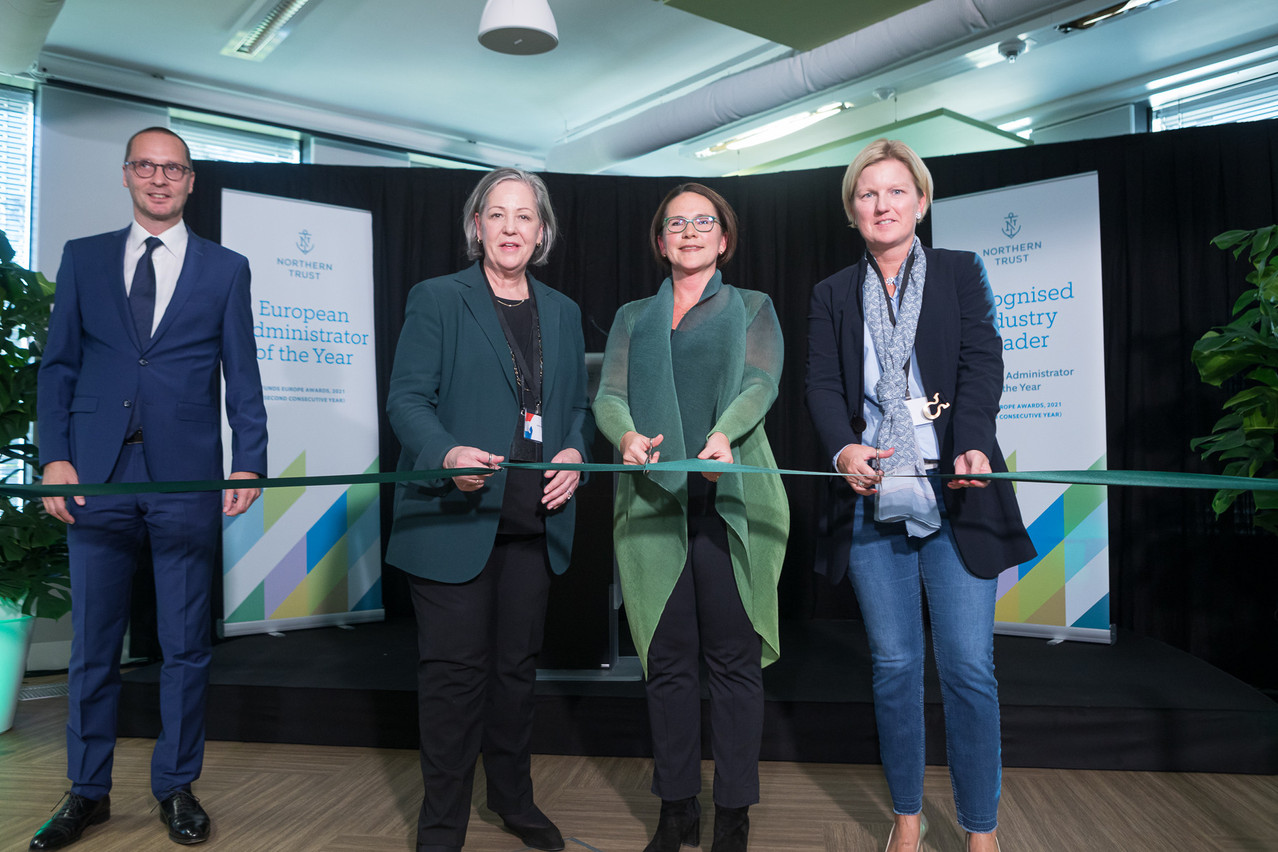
490 367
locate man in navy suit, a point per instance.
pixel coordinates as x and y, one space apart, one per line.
145 323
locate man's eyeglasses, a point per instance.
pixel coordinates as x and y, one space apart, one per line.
146 168
679 224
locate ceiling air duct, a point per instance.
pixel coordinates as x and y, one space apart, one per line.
24 25
914 33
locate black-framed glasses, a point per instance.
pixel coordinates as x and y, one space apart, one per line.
679 224
146 168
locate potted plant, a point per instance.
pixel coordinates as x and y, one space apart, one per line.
1247 348
33 552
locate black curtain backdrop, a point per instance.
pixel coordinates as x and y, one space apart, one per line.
1178 573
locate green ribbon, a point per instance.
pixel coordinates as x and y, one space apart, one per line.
1139 478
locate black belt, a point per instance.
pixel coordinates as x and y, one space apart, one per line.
135 438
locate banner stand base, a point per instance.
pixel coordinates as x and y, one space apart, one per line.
1056 633
227 629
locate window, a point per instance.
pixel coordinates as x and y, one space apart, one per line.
17 125
1250 101
236 141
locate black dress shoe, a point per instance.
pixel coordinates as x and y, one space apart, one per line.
535 829
187 821
66 826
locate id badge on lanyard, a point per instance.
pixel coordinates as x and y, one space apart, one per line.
532 426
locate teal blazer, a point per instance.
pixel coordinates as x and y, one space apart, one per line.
452 384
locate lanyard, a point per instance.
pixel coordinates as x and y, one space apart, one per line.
900 288
529 381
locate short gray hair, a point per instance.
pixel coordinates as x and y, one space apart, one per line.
479 198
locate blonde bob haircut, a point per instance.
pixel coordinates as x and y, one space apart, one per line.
876 152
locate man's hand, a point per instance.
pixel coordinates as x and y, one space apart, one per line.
60 473
235 501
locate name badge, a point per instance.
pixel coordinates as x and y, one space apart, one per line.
532 427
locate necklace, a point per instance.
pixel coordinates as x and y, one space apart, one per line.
502 301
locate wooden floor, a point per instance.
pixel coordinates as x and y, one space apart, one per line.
278 798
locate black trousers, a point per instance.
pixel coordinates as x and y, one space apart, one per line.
704 617
478 644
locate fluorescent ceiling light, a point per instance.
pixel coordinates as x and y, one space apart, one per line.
1158 100
1108 14
1213 68
1016 125
262 33
775 130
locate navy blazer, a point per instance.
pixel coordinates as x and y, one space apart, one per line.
959 355
452 385
94 369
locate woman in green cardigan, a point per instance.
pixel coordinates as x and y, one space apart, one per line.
691 372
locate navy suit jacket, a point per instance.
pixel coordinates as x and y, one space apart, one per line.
94 369
452 385
960 355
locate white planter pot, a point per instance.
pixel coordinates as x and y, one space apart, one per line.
15 641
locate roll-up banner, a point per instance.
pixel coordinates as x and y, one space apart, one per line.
306 557
1040 243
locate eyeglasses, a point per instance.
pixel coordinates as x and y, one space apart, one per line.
146 168
679 224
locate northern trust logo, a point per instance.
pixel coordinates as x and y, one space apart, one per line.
1010 252
302 267
1011 226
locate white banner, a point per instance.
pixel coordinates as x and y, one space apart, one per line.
1041 245
303 557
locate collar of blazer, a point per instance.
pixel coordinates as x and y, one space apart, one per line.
188 282
476 294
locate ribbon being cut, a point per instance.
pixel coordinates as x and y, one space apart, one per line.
1137 478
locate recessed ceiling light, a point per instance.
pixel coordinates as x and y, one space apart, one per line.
262 33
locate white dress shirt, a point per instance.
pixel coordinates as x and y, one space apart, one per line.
167 260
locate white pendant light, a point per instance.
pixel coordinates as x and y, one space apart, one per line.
520 27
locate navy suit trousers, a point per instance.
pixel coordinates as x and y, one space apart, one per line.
183 530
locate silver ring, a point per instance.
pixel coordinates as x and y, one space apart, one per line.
490 458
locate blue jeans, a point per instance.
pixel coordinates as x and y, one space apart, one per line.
886 567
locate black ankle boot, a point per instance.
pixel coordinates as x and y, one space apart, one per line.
679 824
731 829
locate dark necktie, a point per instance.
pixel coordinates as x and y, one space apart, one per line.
142 292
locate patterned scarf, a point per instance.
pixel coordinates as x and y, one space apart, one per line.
905 493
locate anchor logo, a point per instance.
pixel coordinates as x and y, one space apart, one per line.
1010 226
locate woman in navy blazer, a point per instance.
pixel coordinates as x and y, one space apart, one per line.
904 373
490 367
